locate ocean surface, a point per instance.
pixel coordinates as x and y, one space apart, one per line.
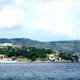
40 71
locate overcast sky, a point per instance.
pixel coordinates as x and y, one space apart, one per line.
43 20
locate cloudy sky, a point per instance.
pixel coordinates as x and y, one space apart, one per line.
43 20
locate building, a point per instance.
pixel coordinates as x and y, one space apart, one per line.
2 45
6 44
54 56
4 58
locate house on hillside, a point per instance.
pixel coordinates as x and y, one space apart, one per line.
2 45
54 57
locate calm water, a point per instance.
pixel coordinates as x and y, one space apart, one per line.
40 71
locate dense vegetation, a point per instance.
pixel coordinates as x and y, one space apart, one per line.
33 54
71 47
24 52
68 50
69 57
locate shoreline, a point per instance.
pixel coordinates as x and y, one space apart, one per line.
5 62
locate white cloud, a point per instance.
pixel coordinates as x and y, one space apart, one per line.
54 28
10 16
54 17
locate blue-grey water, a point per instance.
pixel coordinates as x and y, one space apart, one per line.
40 71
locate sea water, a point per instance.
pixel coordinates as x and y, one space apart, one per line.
40 71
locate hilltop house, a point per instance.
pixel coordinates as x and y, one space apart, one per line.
8 45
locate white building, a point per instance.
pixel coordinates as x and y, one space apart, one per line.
5 59
8 44
53 57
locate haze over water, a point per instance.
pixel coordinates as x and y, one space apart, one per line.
40 71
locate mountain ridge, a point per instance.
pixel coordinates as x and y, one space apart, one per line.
71 46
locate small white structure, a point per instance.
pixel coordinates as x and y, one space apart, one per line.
6 44
9 44
5 59
54 57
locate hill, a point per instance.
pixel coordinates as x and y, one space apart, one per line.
69 46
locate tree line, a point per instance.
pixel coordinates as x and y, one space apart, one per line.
25 52
33 53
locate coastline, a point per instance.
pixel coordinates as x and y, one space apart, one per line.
5 62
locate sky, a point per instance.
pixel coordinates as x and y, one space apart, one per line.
42 20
